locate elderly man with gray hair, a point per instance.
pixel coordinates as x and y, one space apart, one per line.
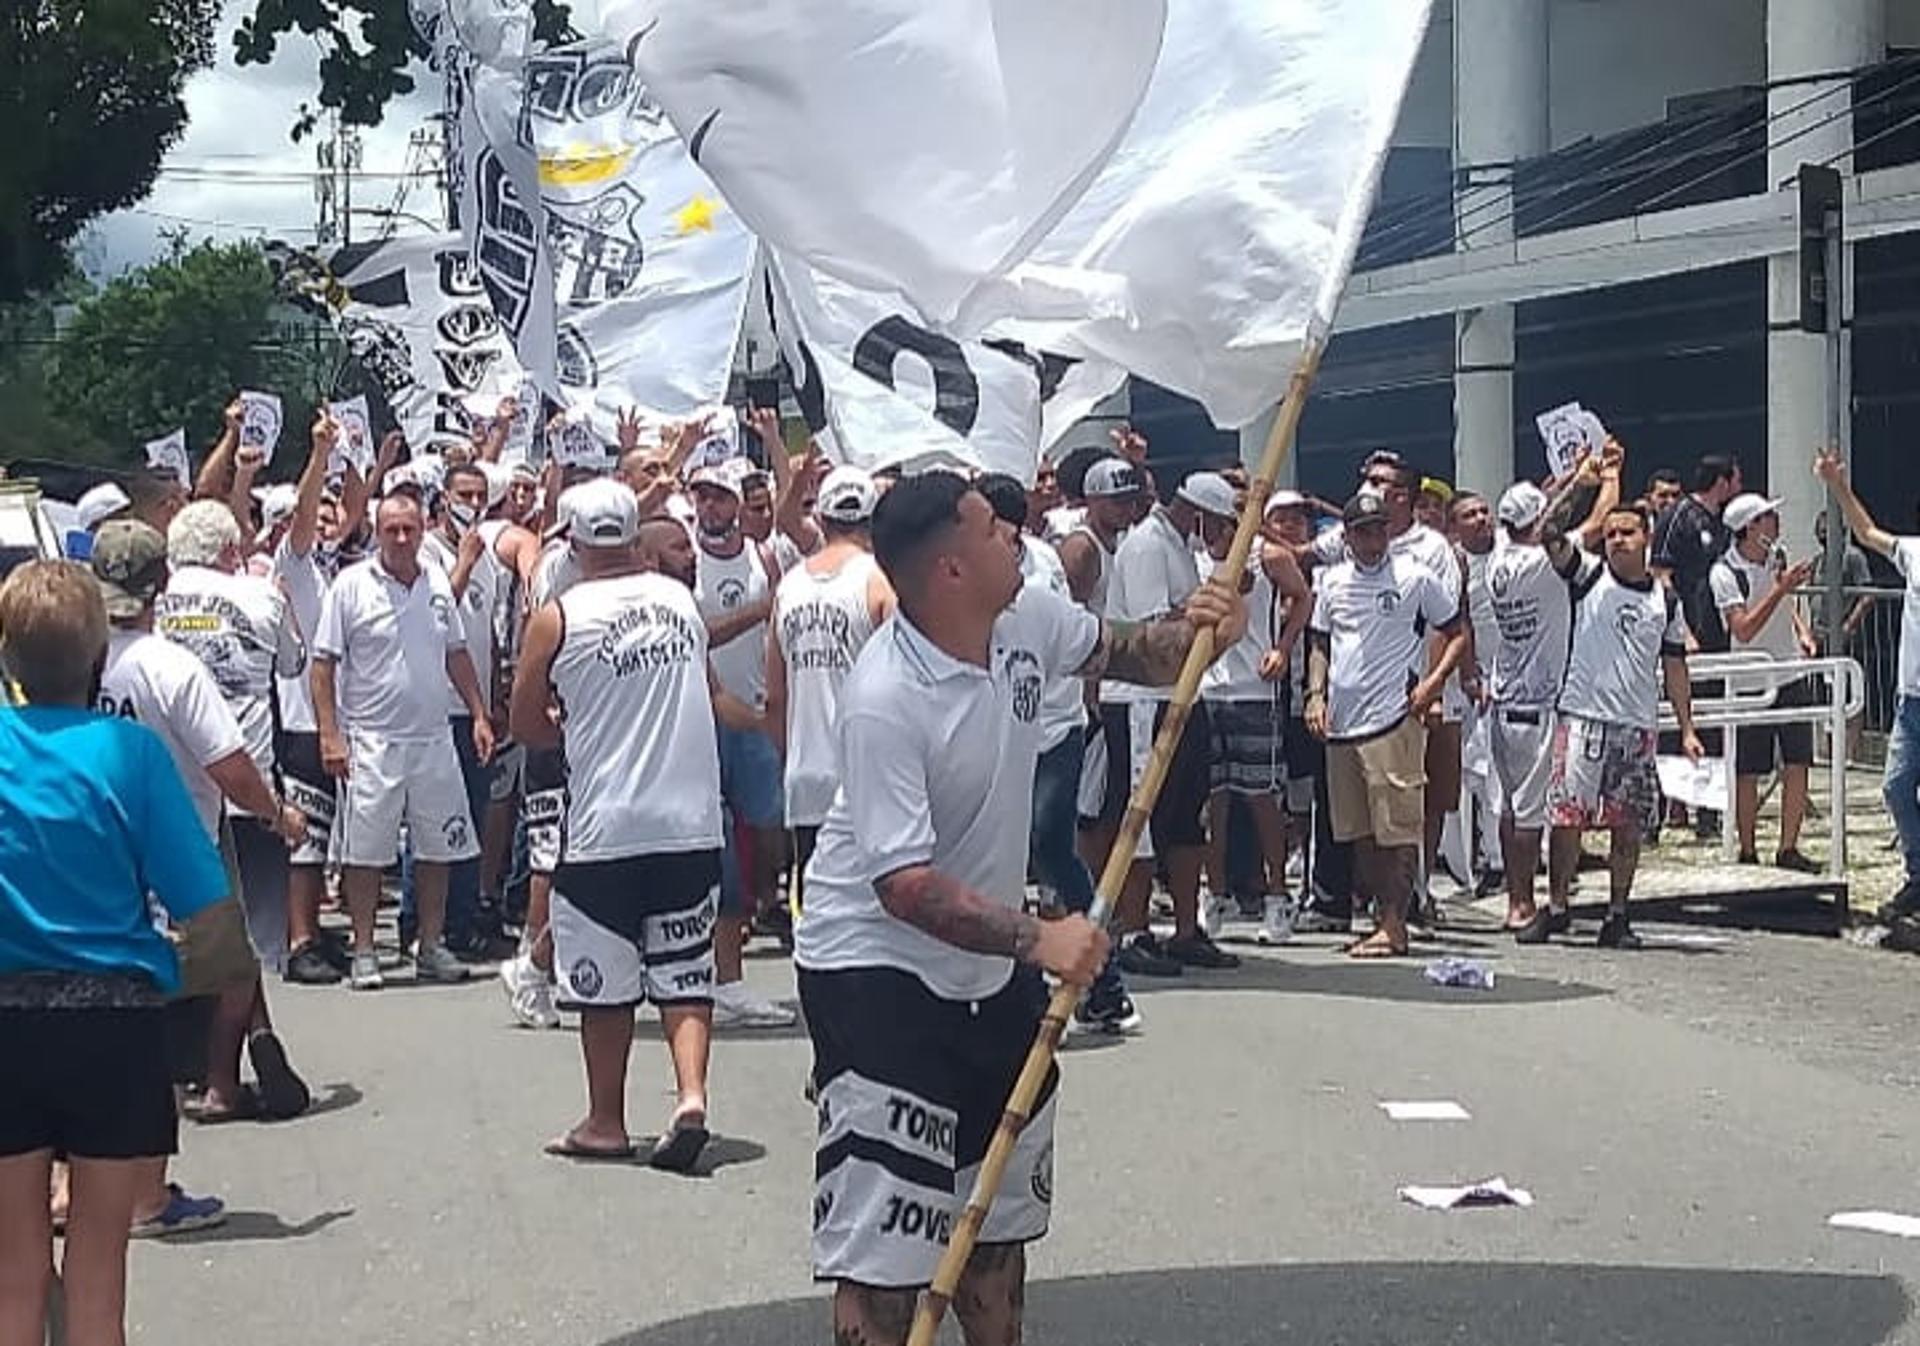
242 629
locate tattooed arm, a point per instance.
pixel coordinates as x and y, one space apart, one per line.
942 906
1151 653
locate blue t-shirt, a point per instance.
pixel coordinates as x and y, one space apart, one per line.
97 839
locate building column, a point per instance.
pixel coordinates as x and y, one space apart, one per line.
1809 42
1500 116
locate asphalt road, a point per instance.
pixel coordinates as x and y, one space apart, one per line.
1687 1119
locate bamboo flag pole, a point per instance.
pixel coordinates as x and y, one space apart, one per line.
1026 1089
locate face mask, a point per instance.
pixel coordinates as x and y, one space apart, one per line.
463 516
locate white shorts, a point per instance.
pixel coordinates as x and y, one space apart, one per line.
1523 761
633 930
391 781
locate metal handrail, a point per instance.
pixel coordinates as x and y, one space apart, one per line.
1739 706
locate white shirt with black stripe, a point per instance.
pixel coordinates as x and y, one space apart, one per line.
1621 632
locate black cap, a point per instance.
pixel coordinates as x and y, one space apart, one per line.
1366 507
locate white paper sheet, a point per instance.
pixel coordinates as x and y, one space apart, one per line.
1489 1192
1877 1222
1439 1111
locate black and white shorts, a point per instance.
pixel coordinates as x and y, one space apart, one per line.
911 1087
633 930
543 806
310 789
1249 746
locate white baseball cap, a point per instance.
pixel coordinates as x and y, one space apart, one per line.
848 495
721 476
1285 499
1112 478
1744 509
1521 505
600 513
276 503
100 504
1210 493
497 475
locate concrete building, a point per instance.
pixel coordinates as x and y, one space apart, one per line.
1593 200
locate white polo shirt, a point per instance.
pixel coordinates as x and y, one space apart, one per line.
937 761
1376 621
150 679
1736 583
1620 634
484 584
390 641
237 625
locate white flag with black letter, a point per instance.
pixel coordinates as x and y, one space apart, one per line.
897 145
413 312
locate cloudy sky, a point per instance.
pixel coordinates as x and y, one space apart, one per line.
237 173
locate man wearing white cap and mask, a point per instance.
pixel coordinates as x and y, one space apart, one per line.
823 613
735 585
102 502
1753 588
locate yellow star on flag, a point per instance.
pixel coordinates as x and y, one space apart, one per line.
698 214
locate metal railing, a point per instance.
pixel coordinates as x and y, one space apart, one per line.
1874 644
1749 684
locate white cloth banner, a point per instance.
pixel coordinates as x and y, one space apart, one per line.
1221 232
413 312
878 390
897 145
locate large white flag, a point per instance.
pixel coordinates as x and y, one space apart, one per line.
917 146
1222 230
414 314
615 265
878 389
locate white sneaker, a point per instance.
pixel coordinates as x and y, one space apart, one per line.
1296 869
529 993
734 1006
1216 909
364 973
1276 926
435 962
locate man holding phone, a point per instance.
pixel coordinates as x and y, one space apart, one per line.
1753 588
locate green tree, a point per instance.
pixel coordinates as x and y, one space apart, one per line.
365 49
91 93
169 345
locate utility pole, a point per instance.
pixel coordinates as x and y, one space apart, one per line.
1823 259
337 159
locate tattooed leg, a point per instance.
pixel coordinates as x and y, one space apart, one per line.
865 1315
991 1299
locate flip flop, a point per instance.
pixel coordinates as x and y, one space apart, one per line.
283 1093
245 1108
677 1150
1366 949
566 1147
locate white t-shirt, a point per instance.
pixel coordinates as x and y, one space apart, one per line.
1064 519
723 584
1620 634
937 761
1533 611
1376 622
304 581
1154 573
822 623
237 625
1063 710
477 604
1737 582
152 680
1906 559
390 642
643 768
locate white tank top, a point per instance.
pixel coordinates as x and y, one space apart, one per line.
643 766
1235 675
821 622
722 584
1097 600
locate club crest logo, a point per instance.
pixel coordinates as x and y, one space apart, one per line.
584 976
